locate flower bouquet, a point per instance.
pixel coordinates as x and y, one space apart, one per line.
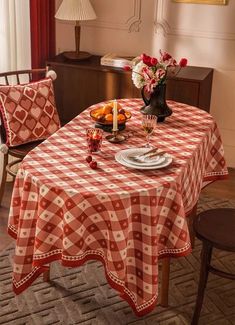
150 74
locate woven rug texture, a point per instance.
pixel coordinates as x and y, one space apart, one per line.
82 295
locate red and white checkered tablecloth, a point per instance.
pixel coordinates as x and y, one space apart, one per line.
126 218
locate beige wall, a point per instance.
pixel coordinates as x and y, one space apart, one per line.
205 34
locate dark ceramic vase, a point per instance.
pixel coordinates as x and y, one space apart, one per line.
156 103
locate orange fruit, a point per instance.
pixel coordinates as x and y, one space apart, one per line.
107 109
109 117
127 114
121 117
96 114
100 117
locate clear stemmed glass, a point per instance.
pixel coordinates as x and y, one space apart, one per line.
149 122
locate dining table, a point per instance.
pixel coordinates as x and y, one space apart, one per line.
128 218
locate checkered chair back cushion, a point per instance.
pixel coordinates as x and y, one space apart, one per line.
28 112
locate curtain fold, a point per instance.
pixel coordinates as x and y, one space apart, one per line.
14 35
42 24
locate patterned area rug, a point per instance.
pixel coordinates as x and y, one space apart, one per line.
82 295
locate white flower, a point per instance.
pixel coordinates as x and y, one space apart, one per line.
137 74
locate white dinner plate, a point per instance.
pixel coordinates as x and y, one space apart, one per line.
166 162
129 156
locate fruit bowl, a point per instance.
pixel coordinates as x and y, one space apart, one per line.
103 116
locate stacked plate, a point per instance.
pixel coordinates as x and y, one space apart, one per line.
142 158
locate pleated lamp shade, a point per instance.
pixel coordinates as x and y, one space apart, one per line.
76 10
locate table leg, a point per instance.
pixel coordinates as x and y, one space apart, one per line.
46 275
165 277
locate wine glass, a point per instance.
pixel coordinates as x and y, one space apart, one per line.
149 122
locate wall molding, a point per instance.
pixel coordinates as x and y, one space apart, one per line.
163 27
132 24
160 23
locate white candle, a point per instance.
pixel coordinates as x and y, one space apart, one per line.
115 113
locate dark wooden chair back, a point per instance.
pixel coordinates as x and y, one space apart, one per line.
216 229
16 77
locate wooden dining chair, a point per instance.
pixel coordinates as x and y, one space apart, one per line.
216 229
19 152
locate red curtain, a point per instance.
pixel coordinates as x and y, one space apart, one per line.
42 24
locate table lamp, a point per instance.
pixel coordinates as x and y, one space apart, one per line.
76 10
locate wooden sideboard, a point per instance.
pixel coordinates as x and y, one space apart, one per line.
83 83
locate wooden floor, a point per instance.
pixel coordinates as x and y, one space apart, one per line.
219 189
223 189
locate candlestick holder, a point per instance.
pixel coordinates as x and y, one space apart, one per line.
115 137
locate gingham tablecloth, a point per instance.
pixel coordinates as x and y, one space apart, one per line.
126 218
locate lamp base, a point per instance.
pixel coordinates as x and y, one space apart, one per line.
76 56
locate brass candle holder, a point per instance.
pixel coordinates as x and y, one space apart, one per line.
115 137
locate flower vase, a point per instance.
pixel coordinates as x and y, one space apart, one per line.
156 103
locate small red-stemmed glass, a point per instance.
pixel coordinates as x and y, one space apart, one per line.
94 138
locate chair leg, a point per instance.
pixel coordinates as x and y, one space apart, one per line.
165 277
205 263
191 217
4 177
46 275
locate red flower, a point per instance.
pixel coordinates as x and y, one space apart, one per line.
127 68
146 59
166 56
183 62
143 55
154 61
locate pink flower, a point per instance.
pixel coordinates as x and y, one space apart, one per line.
146 73
183 62
150 85
160 73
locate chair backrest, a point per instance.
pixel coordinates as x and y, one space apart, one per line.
21 76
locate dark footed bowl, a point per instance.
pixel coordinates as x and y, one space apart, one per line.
105 125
